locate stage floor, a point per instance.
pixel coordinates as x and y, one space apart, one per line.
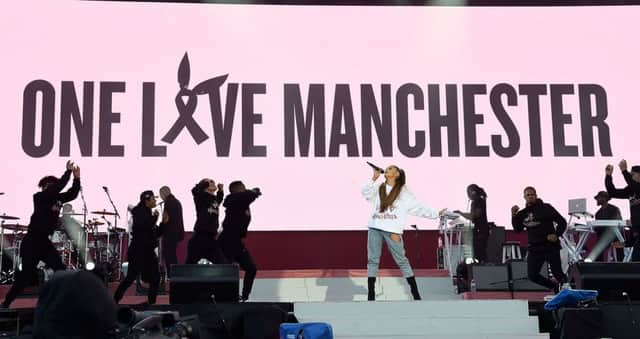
329 285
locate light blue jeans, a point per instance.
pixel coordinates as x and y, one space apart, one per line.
374 249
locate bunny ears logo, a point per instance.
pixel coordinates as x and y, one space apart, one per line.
333 130
187 101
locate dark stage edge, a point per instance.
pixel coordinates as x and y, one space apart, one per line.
620 320
231 314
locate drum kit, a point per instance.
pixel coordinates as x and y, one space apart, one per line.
80 244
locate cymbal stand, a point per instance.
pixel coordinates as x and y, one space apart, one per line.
81 231
115 219
1 244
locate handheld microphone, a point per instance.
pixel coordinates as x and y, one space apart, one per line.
105 188
1 193
379 169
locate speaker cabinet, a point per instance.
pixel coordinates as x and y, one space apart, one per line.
520 277
490 277
612 280
203 284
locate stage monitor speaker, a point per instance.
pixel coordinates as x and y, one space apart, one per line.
490 277
609 279
494 244
204 284
520 276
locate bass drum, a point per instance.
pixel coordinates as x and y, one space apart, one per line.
59 240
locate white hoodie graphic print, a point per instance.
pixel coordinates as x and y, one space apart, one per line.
394 217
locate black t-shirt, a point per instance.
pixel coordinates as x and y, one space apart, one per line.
479 214
609 212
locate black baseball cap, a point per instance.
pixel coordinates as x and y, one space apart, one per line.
146 195
603 194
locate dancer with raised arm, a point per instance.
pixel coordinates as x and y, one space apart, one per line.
632 193
36 245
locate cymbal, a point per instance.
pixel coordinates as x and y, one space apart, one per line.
103 213
15 227
8 217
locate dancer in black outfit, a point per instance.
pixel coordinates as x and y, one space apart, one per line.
478 216
173 232
544 244
142 256
36 245
631 192
203 243
234 230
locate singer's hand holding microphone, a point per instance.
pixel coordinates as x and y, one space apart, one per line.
376 171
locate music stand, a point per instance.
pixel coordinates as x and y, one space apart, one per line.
510 280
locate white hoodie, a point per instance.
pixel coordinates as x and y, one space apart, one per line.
394 217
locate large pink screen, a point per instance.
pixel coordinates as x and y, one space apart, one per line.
501 97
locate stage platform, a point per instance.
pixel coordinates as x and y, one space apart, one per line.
311 286
328 285
339 298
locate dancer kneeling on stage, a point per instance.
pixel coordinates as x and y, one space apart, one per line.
392 201
36 245
203 243
142 256
538 219
234 230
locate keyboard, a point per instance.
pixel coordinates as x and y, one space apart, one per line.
607 223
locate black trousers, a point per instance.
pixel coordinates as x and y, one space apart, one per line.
234 250
33 250
145 264
635 240
536 257
169 253
603 256
480 239
204 246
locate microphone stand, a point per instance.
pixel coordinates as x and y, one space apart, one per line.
114 207
415 227
115 219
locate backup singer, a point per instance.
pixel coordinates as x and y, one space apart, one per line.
36 245
607 212
391 201
203 243
538 218
142 256
173 232
234 230
478 216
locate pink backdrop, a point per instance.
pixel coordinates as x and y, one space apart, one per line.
134 43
